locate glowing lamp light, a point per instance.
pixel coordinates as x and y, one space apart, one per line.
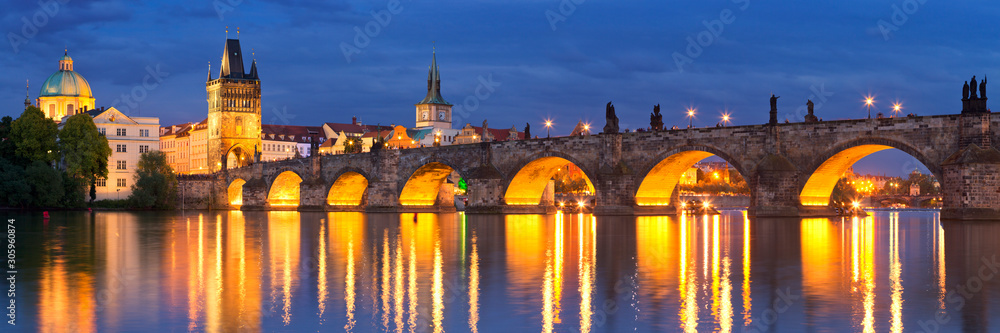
580 204
683 204
562 204
856 204
706 205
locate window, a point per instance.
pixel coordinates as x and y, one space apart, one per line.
143 149
144 132
121 165
102 130
121 148
102 182
121 182
120 132
69 109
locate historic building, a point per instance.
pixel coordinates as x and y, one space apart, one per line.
128 137
234 126
185 146
433 110
65 92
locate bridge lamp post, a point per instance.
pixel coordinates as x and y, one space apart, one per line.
869 101
548 129
896 109
725 119
690 116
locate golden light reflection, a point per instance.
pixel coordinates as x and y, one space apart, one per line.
474 286
823 271
283 247
398 295
422 187
285 190
347 237
236 192
385 279
820 185
528 184
654 250
941 275
586 239
747 299
688 283
438 290
321 288
65 295
658 185
895 270
348 190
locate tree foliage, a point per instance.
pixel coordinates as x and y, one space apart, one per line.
85 150
13 185
155 182
353 144
46 184
35 136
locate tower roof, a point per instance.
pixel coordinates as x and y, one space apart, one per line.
232 61
65 82
434 84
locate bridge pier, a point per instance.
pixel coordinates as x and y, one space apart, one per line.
255 195
971 184
312 195
774 189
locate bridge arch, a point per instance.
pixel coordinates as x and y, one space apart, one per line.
284 190
424 184
532 174
235 192
349 188
661 176
824 174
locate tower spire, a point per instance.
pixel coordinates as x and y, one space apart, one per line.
434 83
27 88
209 71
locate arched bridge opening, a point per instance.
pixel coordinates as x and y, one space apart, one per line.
428 186
348 190
698 173
235 192
284 192
538 181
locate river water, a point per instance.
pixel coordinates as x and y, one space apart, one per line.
288 271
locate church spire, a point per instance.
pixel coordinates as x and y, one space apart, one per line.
434 84
27 100
209 71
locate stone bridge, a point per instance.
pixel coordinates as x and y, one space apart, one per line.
791 169
910 201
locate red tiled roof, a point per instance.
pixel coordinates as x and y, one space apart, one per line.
355 129
499 134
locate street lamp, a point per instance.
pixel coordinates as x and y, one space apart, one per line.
725 118
869 101
896 107
690 116
548 128
586 128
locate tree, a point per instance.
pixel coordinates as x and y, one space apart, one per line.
13 185
35 136
6 144
353 144
155 183
46 184
85 150
843 193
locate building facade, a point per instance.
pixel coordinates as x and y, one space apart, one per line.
128 137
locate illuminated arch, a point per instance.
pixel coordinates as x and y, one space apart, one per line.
236 192
347 190
528 184
238 157
661 179
819 187
284 190
422 187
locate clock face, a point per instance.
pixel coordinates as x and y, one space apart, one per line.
441 116
425 115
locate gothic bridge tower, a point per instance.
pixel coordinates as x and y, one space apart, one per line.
233 111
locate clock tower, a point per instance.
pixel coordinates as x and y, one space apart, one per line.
233 112
433 110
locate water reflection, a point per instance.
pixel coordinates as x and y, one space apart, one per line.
268 271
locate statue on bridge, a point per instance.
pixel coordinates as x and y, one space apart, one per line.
965 91
612 120
982 88
972 88
774 110
656 119
810 118
527 131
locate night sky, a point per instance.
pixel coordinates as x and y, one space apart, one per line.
555 59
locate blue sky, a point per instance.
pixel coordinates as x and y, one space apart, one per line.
565 66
